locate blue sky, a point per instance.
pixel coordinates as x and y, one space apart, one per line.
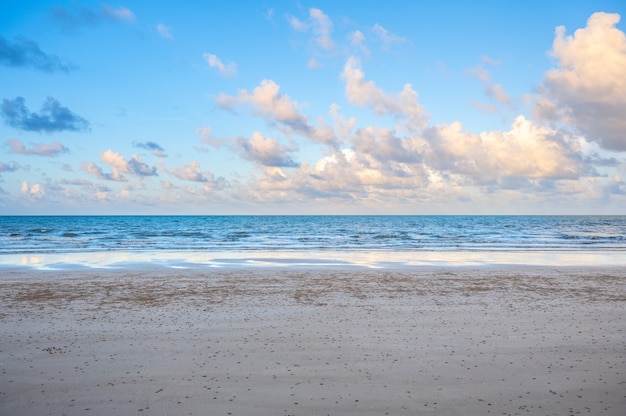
291 107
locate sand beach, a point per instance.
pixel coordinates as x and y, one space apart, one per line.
271 341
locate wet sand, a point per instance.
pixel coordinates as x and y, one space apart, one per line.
429 341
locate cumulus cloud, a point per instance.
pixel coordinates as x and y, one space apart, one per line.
52 118
119 166
191 172
265 151
24 53
72 19
527 150
38 149
95 170
134 165
226 70
258 149
403 105
267 101
587 89
153 147
115 160
384 145
34 192
440 163
137 167
165 31
342 175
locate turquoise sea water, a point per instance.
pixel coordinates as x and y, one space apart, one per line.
290 239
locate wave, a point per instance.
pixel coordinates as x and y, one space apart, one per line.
302 233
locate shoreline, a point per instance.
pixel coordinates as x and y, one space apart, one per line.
314 341
370 259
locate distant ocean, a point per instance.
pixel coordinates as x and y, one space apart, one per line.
201 239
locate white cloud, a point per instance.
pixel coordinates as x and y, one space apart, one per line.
403 105
383 145
164 31
357 41
119 166
297 24
321 26
588 88
496 92
139 168
492 90
192 172
40 149
527 150
343 127
387 39
115 160
442 165
119 14
225 70
36 191
205 136
342 175
267 101
95 170
265 151
168 185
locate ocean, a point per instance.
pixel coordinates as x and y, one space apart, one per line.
375 241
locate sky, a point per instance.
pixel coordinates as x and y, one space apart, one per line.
293 107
